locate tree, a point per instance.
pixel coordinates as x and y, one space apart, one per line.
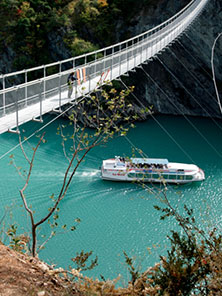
193 265
107 117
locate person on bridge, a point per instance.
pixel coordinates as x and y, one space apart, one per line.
70 81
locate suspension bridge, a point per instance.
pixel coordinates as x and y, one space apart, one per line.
31 98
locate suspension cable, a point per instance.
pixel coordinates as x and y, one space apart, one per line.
193 76
196 61
213 72
34 133
161 126
189 93
188 120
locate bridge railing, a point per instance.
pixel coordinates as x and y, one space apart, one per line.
25 87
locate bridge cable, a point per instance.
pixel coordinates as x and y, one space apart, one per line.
162 127
195 59
151 190
199 82
212 69
213 72
34 133
185 34
188 120
143 154
54 119
167 68
44 126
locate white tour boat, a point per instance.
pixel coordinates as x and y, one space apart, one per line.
150 170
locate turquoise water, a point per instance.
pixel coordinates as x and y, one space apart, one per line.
115 217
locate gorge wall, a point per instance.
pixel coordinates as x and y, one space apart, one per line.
179 81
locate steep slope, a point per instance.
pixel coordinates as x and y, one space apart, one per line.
179 81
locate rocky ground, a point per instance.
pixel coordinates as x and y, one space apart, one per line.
22 275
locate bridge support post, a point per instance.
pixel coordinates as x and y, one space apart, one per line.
141 51
3 103
44 86
120 60
40 106
60 91
127 57
16 114
26 90
95 62
16 105
89 77
134 54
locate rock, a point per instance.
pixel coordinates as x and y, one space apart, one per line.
179 81
41 293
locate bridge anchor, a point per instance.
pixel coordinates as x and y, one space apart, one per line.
17 131
57 110
37 120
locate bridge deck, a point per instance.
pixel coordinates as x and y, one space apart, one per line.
26 114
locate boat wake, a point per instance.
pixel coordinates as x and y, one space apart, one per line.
89 174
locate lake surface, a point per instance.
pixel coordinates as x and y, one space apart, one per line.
115 217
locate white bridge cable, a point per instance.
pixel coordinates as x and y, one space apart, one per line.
57 117
195 59
197 46
44 126
213 72
142 154
167 68
212 69
160 125
35 132
188 120
199 82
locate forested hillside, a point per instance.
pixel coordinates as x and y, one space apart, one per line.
37 32
29 28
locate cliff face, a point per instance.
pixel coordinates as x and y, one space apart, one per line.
179 81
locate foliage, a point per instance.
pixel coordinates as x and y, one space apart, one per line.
17 242
81 259
133 271
192 266
28 27
77 45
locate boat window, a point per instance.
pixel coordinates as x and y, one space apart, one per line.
172 177
140 176
155 176
180 177
164 176
132 175
147 176
188 177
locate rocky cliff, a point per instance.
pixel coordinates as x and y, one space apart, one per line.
179 80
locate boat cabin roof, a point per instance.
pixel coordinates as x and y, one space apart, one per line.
149 161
